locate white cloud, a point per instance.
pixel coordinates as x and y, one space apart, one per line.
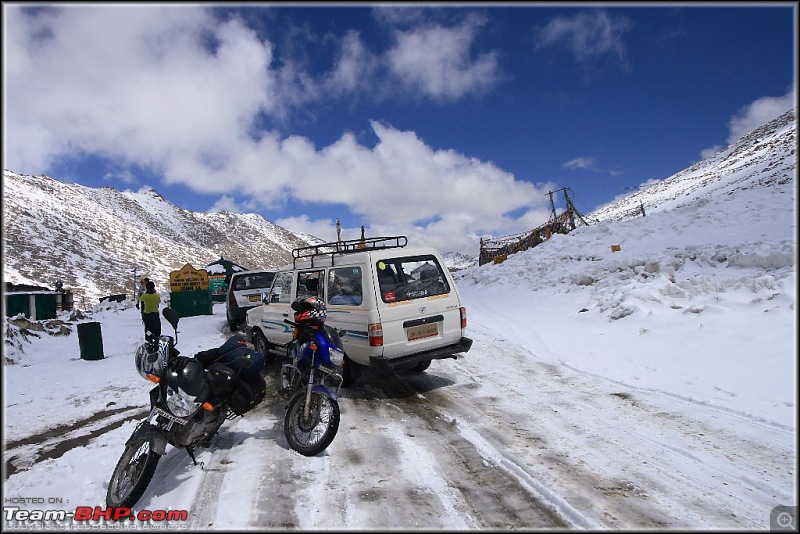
130 82
579 163
438 62
752 116
587 34
758 113
321 228
171 89
708 152
401 186
124 176
225 203
354 68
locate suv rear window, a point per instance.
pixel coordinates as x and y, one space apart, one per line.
410 277
251 281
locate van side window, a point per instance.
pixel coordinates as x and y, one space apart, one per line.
344 286
311 284
411 277
282 288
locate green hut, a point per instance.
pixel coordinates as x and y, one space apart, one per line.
219 276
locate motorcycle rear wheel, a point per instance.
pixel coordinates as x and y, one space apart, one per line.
133 472
312 436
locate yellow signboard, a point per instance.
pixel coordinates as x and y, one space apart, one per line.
188 279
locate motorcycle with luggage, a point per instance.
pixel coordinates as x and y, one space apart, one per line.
190 400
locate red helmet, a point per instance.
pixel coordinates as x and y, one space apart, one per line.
309 311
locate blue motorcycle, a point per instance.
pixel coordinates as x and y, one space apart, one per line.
311 379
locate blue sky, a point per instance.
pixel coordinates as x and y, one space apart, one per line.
443 123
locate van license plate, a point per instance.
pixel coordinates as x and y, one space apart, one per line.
423 331
254 298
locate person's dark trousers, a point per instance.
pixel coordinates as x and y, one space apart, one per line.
152 329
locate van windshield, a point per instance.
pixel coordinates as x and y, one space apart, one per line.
411 277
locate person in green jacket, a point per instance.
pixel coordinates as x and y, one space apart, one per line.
139 292
150 300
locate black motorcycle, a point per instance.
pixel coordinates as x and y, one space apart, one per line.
191 400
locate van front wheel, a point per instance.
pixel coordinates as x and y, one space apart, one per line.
260 344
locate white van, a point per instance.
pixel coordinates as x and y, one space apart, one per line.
244 292
399 306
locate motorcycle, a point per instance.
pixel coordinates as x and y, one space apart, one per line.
311 379
191 400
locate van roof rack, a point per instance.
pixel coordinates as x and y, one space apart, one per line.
347 247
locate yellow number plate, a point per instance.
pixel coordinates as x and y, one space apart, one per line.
423 331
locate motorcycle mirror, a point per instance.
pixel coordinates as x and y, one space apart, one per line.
171 316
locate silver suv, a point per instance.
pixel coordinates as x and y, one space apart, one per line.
244 292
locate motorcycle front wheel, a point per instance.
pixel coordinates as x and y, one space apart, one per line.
312 435
133 472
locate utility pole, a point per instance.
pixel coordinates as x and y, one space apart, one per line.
133 295
572 209
552 205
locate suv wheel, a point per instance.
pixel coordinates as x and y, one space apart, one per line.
260 344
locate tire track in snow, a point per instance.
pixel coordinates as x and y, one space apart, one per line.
642 461
475 493
24 453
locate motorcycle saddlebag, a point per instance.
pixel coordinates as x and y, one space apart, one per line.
249 392
235 347
221 378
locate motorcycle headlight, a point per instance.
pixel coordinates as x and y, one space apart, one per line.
181 404
337 357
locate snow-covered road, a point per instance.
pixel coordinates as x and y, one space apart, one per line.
654 387
499 439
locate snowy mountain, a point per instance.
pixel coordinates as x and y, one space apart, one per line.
91 239
766 156
457 261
